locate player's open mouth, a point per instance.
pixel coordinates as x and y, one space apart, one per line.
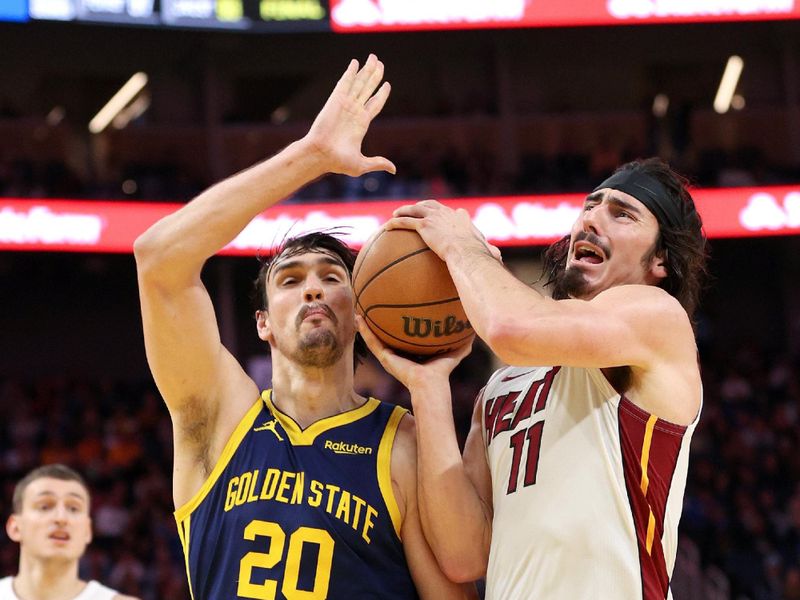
60 536
586 253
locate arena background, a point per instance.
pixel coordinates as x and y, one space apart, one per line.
475 113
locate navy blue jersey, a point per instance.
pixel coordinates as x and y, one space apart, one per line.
292 513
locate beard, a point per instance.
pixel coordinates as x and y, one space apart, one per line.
319 348
573 283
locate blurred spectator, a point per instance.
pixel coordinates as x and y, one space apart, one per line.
423 172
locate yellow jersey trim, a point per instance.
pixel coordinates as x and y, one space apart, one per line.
648 439
646 443
227 453
183 534
306 437
385 467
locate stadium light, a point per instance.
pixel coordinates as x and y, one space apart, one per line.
133 111
118 101
727 86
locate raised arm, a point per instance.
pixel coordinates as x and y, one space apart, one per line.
636 326
192 369
454 493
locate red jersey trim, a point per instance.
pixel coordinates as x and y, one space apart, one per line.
649 448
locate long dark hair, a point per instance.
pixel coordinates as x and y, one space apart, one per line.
317 241
683 248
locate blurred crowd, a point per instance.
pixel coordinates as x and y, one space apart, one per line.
424 173
119 436
742 506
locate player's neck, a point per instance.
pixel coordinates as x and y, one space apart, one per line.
47 580
308 395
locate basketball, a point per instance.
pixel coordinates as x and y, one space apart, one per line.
406 295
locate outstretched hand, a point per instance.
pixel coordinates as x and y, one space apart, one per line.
340 127
409 372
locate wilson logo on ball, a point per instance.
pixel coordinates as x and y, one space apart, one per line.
420 327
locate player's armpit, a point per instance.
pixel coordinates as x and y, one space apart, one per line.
194 374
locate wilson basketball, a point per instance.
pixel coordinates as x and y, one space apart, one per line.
406 295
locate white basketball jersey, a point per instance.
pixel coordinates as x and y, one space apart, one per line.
92 591
587 488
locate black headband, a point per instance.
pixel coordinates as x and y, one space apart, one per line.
650 192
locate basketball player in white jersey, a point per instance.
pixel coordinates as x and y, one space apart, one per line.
51 524
572 478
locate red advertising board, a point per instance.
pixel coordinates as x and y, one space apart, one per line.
404 15
94 226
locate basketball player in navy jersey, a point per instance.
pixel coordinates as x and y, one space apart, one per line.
307 490
571 482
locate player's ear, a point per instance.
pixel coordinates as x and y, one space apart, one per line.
659 264
263 325
12 529
89 532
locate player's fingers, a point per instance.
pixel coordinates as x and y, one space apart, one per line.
418 210
464 214
495 251
346 80
403 223
378 163
431 203
375 104
378 348
374 77
362 77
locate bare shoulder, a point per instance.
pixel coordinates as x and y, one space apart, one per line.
667 383
404 450
647 297
124 597
655 314
406 438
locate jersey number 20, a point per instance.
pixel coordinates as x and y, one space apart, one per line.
267 560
